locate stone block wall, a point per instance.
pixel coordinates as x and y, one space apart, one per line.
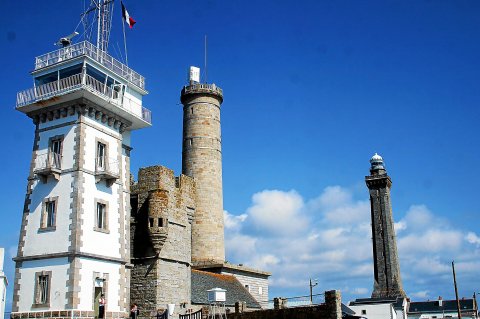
331 309
162 211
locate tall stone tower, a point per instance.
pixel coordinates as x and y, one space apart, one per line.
387 281
74 240
202 160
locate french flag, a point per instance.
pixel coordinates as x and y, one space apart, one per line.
128 19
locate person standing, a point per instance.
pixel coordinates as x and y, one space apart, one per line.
101 306
134 312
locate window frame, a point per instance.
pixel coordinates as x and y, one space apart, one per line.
104 204
44 219
56 160
38 301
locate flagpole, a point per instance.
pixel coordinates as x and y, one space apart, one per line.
124 39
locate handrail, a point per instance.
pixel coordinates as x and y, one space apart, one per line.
88 49
48 160
105 164
202 87
74 82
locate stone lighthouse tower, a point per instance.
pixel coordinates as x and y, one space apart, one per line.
387 281
202 160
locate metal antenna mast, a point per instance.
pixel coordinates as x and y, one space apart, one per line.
105 8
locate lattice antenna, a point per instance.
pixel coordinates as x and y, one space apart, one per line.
105 8
103 14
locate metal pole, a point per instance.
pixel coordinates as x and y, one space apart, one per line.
206 77
125 42
311 291
456 291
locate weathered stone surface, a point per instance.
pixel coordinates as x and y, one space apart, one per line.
162 210
387 280
331 309
202 160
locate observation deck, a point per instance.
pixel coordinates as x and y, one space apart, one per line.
201 88
83 71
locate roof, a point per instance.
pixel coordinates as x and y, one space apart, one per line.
346 310
203 281
397 303
447 306
226 266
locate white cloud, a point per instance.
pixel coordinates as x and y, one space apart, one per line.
278 212
401 225
420 294
329 237
233 222
472 238
430 240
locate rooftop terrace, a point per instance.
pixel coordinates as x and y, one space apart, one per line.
86 48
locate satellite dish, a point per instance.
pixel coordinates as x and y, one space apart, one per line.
66 41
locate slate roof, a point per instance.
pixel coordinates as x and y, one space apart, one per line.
346 310
397 303
447 306
203 281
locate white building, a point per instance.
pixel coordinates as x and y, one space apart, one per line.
380 308
443 309
3 285
75 243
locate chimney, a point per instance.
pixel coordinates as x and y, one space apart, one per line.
440 301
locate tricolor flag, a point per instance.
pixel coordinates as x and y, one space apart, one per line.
128 19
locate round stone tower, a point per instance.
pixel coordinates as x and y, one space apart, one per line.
202 160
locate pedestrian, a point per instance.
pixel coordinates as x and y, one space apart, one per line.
161 314
134 311
101 306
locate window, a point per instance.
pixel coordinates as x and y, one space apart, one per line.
101 212
55 151
364 312
49 214
260 291
247 287
101 216
42 288
101 152
50 211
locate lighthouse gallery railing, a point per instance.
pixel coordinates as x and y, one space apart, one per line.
75 82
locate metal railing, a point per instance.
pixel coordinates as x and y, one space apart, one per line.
88 49
76 82
107 165
202 87
49 160
298 301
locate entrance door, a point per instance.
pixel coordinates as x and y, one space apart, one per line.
97 294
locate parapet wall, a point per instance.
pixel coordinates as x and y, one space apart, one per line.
331 309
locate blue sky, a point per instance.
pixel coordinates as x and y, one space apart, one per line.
312 90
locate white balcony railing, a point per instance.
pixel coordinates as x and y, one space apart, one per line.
105 165
48 161
79 81
88 49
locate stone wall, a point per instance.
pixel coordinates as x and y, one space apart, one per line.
162 211
202 160
331 309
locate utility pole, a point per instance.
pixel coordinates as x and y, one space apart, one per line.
312 284
456 291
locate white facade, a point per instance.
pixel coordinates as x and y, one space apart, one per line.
3 285
75 242
375 311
